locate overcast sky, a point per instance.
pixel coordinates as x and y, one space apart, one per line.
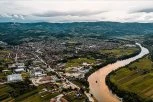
76 10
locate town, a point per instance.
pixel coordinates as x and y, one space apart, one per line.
55 70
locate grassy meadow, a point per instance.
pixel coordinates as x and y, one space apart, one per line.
118 52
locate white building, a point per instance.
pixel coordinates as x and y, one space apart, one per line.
14 78
17 67
20 67
18 70
37 71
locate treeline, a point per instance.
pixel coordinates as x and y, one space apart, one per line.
131 55
96 67
110 61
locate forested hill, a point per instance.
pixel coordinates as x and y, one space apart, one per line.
13 33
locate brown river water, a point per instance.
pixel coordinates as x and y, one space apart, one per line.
97 84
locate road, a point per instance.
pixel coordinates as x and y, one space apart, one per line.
60 75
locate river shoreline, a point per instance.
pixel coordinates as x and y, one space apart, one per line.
96 68
120 93
97 80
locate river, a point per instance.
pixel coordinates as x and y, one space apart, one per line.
97 83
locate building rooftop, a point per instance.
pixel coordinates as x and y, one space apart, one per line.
19 70
14 78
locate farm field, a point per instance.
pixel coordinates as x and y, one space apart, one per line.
136 78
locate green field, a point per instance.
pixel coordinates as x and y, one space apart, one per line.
71 97
3 56
35 97
136 78
30 96
118 52
78 62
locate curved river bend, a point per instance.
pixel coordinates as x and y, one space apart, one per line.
97 83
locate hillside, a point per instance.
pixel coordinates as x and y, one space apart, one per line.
19 32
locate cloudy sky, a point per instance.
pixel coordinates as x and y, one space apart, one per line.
76 10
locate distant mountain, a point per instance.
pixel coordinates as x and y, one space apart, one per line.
15 32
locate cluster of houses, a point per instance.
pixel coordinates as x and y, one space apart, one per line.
18 68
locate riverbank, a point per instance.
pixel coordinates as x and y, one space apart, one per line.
110 61
97 67
136 84
97 80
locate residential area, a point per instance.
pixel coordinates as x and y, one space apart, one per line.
54 70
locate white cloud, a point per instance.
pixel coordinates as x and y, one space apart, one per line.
76 10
